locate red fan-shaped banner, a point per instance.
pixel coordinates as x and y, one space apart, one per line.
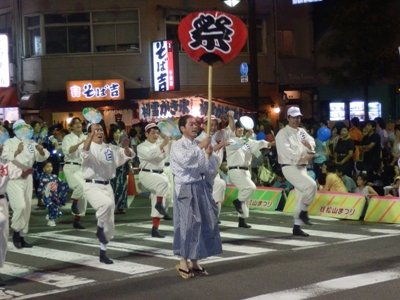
212 36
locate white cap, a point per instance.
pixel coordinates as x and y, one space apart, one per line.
294 112
212 118
150 125
18 122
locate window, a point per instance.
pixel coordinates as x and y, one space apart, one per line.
285 43
116 31
33 36
87 32
172 24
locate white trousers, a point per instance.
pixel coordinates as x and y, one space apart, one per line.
3 230
242 180
305 186
74 176
219 189
168 172
101 198
158 185
19 193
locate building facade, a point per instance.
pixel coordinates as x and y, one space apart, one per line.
54 42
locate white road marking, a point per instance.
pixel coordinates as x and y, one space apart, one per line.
319 233
291 242
385 231
6 293
42 276
332 286
226 247
86 260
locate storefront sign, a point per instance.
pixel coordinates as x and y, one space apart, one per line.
4 62
166 108
95 90
165 66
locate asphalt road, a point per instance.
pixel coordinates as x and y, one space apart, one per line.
340 260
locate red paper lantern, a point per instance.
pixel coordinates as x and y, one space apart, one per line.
212 36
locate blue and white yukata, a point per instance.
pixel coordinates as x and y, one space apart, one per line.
196 232
54 192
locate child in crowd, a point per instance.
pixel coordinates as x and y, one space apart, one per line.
363 187
54 191
393 190
348 181
282 183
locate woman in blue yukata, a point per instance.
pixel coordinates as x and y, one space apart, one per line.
54 192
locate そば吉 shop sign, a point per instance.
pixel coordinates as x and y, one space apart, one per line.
95 90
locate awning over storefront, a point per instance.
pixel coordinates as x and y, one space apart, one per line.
297 72
8 97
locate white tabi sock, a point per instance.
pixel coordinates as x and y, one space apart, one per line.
103 246
297 221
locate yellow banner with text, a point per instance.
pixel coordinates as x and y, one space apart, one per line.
334 205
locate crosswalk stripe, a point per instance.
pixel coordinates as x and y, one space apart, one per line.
320 233
6 293
125 247
227 247
41 276
331 286
385 231
291 242
113 245
85 260
328 234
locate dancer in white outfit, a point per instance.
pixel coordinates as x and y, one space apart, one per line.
218 142
99 164
152 154
7 171
73 170
239 154
23 154
295 148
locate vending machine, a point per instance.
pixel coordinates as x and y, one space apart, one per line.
337 111
357 109
374 110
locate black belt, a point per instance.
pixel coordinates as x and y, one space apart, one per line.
98 181
294 165
2 196
72 163
167 164
238 167
152 171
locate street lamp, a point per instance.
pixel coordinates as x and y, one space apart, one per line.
231 3
252 36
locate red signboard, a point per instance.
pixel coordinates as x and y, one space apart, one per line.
212 36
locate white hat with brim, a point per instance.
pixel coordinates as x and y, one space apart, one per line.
150 125
18 122
294 112
205 119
